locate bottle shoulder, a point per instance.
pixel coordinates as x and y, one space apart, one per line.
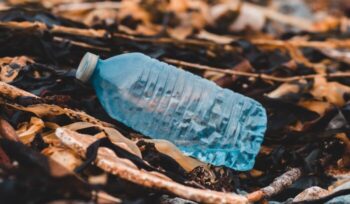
122 69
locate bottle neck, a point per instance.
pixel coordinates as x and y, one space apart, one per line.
86 67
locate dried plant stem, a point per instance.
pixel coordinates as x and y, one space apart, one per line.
82 6
280 183
125 169
81 44
14 92
254 75
331 43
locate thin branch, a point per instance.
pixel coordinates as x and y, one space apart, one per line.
254 75
81 44
82 6
125 169
279 184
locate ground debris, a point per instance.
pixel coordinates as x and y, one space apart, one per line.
292 57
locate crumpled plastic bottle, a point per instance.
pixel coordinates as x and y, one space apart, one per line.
203 120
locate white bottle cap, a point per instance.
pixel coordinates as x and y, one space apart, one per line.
86 67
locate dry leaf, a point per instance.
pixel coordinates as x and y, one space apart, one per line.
11 66
319 107
284 89
168 148
63 156
333 92
27 131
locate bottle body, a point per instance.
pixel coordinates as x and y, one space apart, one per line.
212 124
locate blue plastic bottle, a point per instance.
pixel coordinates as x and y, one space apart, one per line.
212 124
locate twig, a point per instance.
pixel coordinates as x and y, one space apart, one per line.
13 92
81 44
330 43
280 183
254 75
125 169
81 6
103 197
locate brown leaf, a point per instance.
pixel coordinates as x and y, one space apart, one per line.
27 131
63 156
168 148
332 92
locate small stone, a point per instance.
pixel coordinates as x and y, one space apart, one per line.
311 193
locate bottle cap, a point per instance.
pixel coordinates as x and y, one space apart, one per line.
86 67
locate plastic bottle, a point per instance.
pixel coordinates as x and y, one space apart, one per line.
212 124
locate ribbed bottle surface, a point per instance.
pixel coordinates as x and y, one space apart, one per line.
205 121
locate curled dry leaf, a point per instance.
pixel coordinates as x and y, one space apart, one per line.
168 148
333 92
319 107
49 137
284 89
27 131
63 156
117 138
123 168
114 135
11 66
